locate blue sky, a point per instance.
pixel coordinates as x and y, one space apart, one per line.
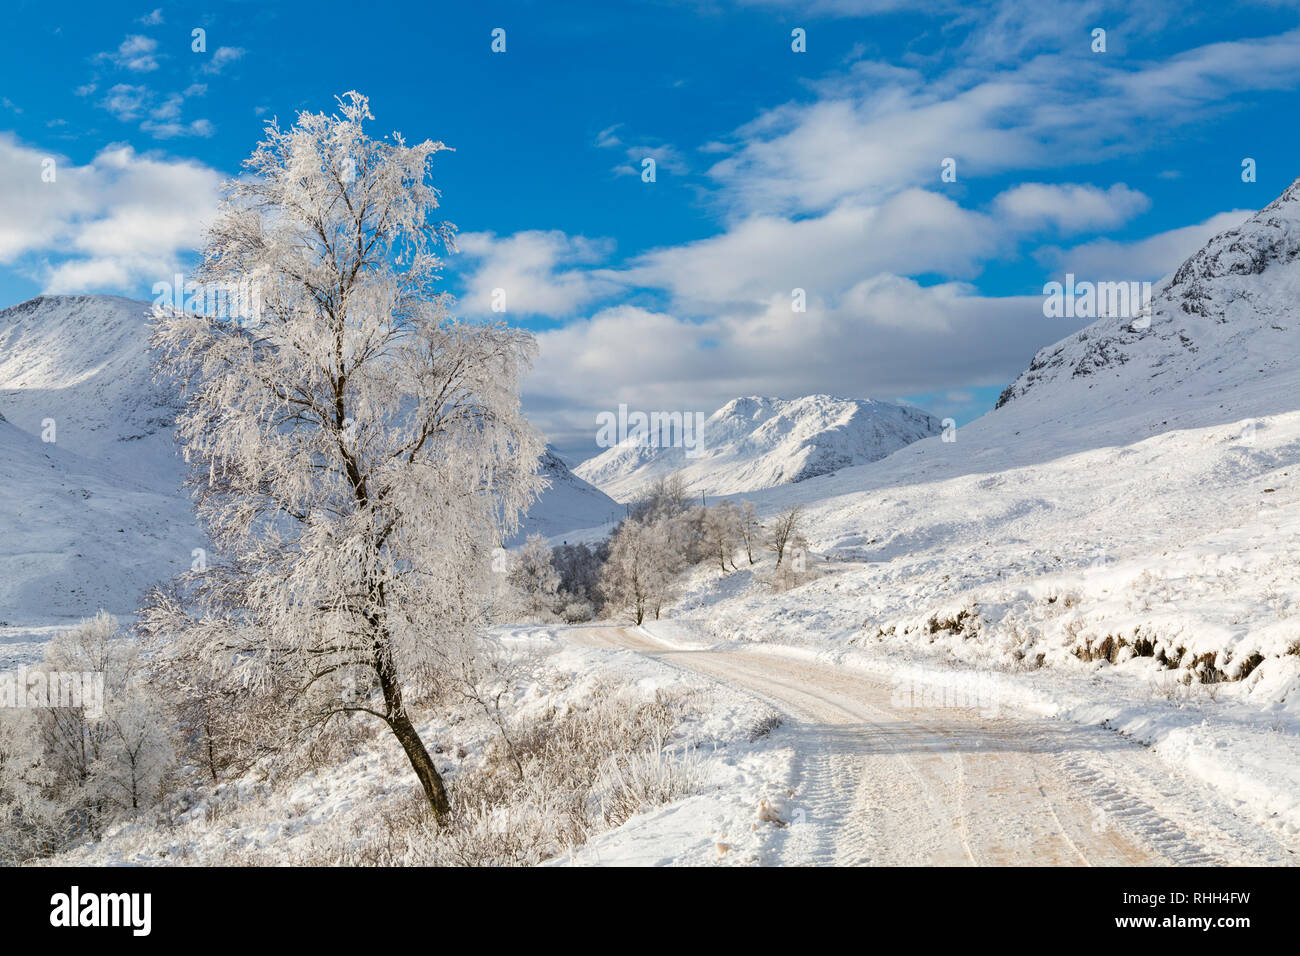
818 170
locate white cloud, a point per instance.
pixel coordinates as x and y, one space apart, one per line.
881 128
120 222
222 57
608 138
172 129
136 53
159 114
911 233
665 157
541 272
126 101
1070 207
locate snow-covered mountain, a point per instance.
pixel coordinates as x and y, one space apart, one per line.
1227 318
1117 543
753 443
95 516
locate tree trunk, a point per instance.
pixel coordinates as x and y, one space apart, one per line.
400 723
421 762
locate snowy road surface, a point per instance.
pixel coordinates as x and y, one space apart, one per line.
881 785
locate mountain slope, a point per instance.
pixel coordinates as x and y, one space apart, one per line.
91 508
753 443
567 504
76 536
1225 319
1133 502
82 361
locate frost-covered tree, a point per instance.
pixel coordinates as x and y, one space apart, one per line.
133 770
211 715
32 824
579 566
356 451
625 578
116 756
796 570
665 497
641 573
534 577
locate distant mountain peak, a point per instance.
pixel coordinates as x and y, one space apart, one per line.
755 442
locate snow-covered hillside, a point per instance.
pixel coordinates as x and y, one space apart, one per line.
567 504
753 443
82 361
76 536
1156 469
91 511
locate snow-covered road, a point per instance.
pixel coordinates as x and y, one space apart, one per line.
882 785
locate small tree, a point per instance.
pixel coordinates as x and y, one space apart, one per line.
722 529
665 497
642 569
625 578
796 570
355 451
32 824
133 770
784 527
533 575
750 529
579 567
216 722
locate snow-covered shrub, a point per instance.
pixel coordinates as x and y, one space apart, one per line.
585 769
630 783
576 611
